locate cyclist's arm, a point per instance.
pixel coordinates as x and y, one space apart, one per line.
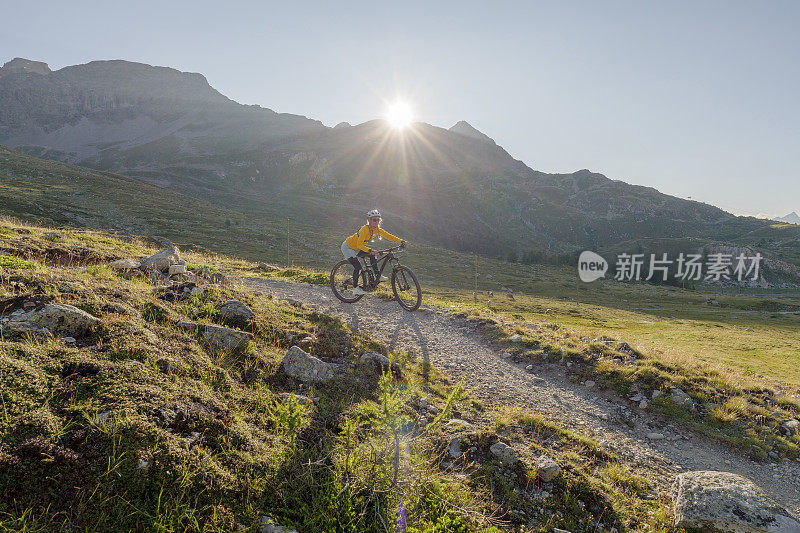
389 236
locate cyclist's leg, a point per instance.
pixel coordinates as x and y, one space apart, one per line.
356 269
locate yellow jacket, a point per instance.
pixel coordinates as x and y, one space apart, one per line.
359 240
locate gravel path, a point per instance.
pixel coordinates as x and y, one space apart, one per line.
456 347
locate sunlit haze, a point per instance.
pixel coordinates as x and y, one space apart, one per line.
399 115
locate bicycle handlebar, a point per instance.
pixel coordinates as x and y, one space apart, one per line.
391 250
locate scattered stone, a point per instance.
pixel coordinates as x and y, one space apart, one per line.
529 368
162 260
102 417
516 338
504 452
143 464
589 383
655 436
235 312
507 355
548 469
306 367
68 340
679 397
52 236
643 404
176 269
455 448
125 264
725 502
791 427
63 319
302 400
458 423
197 291
219 337
381 362
656 394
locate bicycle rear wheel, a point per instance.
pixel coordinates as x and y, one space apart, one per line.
342 282
406 288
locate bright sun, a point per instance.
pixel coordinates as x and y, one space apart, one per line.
399 115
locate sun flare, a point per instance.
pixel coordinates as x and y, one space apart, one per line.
399 115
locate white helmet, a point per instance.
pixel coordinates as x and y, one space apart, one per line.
373 213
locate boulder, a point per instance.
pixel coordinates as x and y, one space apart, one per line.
791 427
504 452
548 469
219 337
162 260
124 265
679 397
235 312
63 319
14 329
306 367
725 502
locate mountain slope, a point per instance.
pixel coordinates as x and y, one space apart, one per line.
455 188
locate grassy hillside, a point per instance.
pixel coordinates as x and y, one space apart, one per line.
139 424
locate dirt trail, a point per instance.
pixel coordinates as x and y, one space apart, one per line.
458 349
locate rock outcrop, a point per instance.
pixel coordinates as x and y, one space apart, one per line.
219 337
724 502
306 367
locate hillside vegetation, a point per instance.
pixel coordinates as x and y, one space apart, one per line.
136 422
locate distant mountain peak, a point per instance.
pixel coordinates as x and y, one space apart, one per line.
462 127
19 64
791 218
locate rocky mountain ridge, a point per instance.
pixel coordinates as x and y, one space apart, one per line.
173 129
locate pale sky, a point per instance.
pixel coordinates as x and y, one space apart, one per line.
695 98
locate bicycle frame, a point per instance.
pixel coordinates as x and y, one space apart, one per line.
367 272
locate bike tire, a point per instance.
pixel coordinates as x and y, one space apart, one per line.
400 277
340 295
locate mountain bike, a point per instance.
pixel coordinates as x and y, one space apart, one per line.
404 283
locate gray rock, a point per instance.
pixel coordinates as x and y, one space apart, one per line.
235 312
589 383
791 427
504 452
376 359
306 367
62 319
656 394
725 502
548 469
162 260
655 436
458 423
220 338
20 329
125 264
176 269
455 448
679 397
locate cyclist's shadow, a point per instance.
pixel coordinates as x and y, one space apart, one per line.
410 325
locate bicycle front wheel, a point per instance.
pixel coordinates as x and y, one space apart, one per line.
406 288
342 282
